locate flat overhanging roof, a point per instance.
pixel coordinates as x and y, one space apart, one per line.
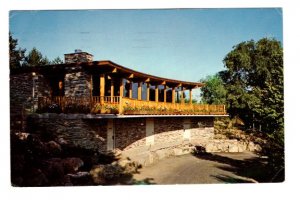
132 74
113 69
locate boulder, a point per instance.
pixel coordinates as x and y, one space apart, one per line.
112 171
210 147
97 174
251 146
81 178
72 165
233 148
35 177
53 147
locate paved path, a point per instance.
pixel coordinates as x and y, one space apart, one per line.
189 169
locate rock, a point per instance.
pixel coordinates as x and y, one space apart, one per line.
152 158
62 141
257 148
22 136
81 178
53 147
241 147
112 171
177 151
251 147
97 174
67 181
210 147
17 163
72 165
233 148
35 177
54 169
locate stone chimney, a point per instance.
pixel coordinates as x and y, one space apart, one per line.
78 56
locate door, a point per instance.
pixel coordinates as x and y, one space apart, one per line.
149 131
186 130
110 134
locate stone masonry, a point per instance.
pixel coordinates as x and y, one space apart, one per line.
171 135
77 84
73 131
25 89
130 133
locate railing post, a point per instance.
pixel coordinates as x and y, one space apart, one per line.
121 108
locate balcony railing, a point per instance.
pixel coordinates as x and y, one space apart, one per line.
125 106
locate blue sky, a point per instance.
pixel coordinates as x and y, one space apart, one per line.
184 44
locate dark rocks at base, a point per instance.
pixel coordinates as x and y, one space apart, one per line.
38 162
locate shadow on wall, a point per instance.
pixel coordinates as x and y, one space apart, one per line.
255 169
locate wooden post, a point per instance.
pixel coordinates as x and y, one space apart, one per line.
140 91
112 89
182 95
130 90
148 91
91 92
102 88
191 100
156 93
165 93
173 95
121 87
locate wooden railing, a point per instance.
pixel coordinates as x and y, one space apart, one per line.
134 106
127 106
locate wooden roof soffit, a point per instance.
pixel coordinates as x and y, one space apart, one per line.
139 76
114 70
131 76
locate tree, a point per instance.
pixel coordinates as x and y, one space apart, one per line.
254 81
214 91
35 58
16 56
57 60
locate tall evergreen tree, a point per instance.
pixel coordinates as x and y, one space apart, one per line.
35 58
57 60
16 55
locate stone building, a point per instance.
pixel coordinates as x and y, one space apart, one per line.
105 106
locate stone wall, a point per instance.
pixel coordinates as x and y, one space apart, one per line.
130 133
73 131
168 130
77 84
25 89
171 135
202 128
78 57
21 93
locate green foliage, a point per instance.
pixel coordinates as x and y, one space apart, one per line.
254 81
16 55
214 91
35 58
56 61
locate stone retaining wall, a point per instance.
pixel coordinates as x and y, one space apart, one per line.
130 133
89 134
127 133
171 136
25 89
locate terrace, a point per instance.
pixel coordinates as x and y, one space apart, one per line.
114 89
